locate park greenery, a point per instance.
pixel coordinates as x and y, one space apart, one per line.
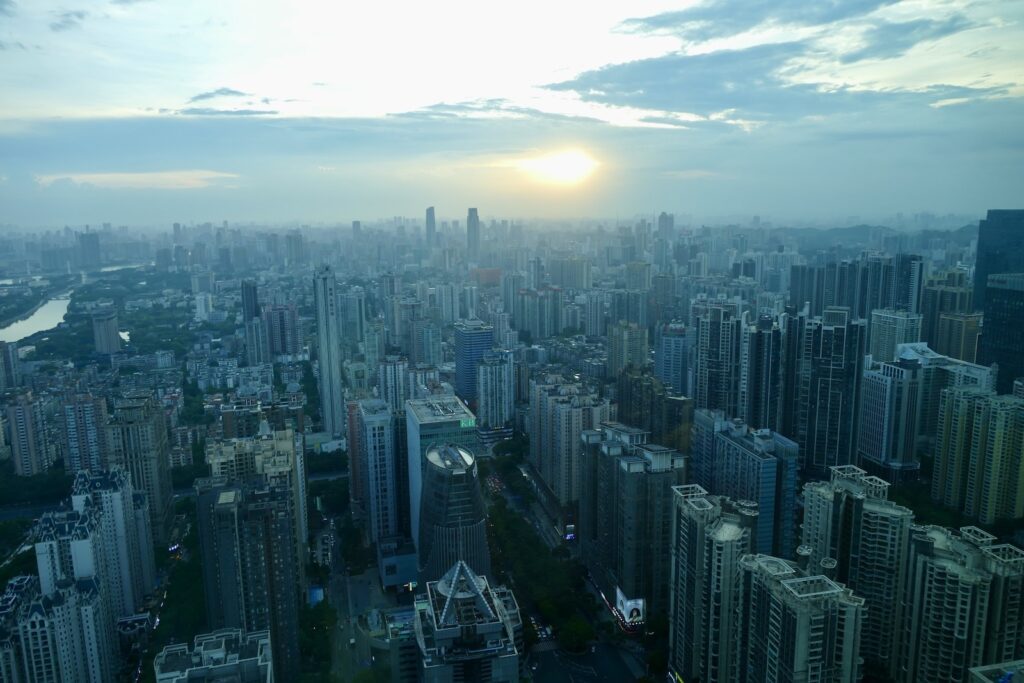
45 488
317 626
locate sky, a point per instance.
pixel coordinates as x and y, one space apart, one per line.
150 111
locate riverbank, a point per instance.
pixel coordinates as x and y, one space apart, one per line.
32 311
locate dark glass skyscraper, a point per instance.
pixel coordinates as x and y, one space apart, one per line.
1001 339
1000 249
473 234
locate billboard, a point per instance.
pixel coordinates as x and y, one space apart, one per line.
632 612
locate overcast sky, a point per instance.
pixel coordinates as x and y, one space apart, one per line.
148 111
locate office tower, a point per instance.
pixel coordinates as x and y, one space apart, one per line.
850 520
625 511
473 339
431 422
760 380
979 454
228 654
328 334
85 432
709 536
473 235
63 635
250 300
824 361
962 604
730 459
30 443
104 331
122 516
467 630
627 347
453 515
10 367
1001 338
137 442
559 412
717 358
250 576
948 293
671 352
377 455
796 626
495 388
431 227
1000 250
890 328
284 336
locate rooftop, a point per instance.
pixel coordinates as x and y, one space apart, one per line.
439 409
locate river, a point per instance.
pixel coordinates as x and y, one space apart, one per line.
46 317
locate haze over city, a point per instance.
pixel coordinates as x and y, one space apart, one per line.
147 111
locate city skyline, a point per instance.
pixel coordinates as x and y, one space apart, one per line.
136 112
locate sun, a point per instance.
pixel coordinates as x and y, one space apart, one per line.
569 167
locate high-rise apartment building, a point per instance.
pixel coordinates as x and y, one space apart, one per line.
250 300
30 443
453 515
717 357
979 454
85 432
473 339
283 332
889 328
957 335
1001 338
376 437
10 366
850 521
760 380
1000 249
627 347
250 576
671 357
106 339
625 518
948 293
962 605
730 459
229 654
824 357
137 442
495 390
329 343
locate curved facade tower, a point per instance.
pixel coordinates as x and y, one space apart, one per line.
453 517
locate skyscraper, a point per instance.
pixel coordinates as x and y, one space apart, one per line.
1000 249
962 605
30 443
1001 338
495 390
137 442
10 367
106 339
671 354
473 235
453 515
473 339
377 453
627 347
824 360
717 358
467 630
850 520
328 328
890 328
760 381
250 576
431 227
730 459
250 300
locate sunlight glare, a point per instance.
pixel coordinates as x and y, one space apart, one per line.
570 167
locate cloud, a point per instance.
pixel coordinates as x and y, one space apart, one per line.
219 92
889 40
721 18
68 20
209 111
11 46
128 2
157 180
7 7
